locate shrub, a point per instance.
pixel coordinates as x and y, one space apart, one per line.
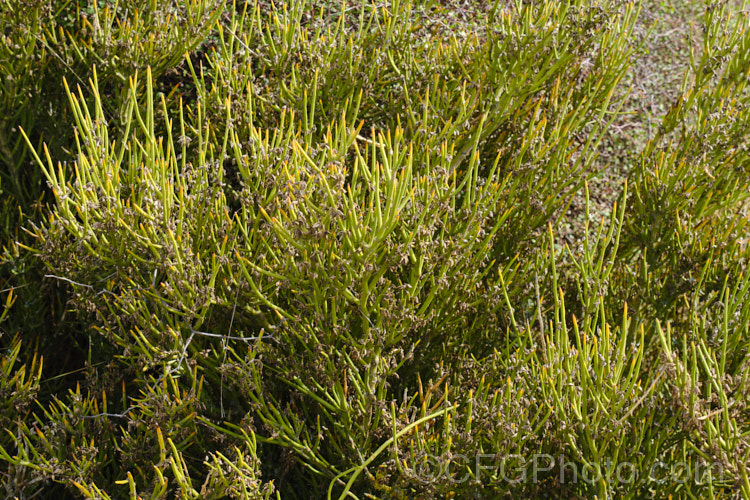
331 258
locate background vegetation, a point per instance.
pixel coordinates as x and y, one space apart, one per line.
325 250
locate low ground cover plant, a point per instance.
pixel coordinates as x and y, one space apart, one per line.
358 250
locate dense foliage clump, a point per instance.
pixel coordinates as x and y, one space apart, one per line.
327 250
